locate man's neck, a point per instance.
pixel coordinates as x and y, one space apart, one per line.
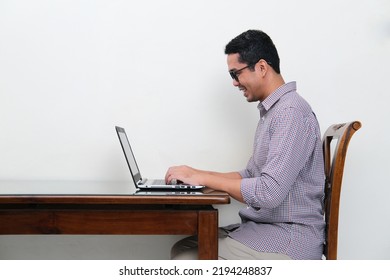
275 82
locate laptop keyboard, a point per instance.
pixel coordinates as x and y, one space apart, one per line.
159 182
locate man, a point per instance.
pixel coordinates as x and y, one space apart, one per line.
283 182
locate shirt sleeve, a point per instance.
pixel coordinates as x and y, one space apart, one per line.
292 140
245 173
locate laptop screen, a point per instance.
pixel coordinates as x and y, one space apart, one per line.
128 154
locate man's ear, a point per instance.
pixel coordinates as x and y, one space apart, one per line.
262 66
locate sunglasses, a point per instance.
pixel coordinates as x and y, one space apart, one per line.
235 73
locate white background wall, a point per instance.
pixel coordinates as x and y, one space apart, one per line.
72 70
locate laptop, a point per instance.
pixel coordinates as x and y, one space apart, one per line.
139 181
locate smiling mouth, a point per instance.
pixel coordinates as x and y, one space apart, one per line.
243 90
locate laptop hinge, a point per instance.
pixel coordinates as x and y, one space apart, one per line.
141 181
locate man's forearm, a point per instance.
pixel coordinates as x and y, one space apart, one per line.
227 175
229 182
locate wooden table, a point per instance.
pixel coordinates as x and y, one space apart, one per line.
95 209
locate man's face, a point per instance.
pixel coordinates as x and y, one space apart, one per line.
247 80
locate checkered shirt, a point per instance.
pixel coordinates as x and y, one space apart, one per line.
283 182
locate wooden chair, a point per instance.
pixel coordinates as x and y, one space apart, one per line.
334 157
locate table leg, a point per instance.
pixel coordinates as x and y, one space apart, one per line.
208 235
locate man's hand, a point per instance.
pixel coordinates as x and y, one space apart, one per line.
185 174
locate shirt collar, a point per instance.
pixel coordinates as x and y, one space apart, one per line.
267 103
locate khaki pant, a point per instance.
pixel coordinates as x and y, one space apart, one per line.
228 249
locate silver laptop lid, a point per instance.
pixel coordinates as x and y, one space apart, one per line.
130 159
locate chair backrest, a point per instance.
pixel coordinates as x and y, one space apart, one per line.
334 157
